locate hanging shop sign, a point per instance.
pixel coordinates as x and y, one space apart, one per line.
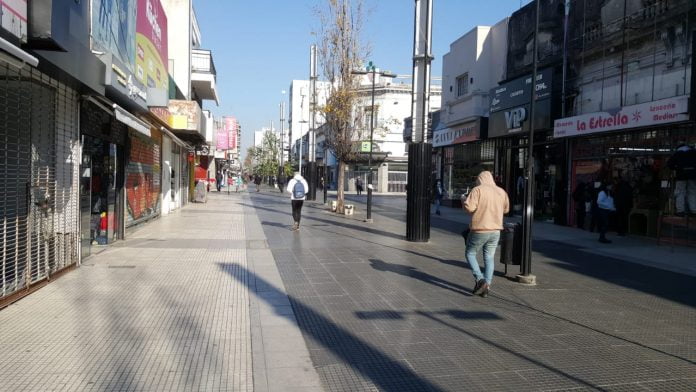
664 111
232 127
222 136
464 133
185 115
121 85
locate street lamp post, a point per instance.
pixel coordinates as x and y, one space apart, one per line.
371 69
311 137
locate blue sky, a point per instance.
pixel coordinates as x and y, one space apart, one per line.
259 46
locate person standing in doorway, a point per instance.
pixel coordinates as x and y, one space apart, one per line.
487 203
297 187
684 163
605 206
438 194
623 195
580 198
218 180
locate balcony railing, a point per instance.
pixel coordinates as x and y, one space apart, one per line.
202 61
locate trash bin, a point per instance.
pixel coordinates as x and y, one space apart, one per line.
511 244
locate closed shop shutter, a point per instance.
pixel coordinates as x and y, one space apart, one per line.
39 136
143 177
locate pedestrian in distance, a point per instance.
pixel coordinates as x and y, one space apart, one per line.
297 187
257 181
487 203
281 183
218 180
438 194
238 183
359 185
605 207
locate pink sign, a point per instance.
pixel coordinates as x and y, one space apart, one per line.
232 127
644 114
221 137
151 41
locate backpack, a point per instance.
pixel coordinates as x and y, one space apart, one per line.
298 191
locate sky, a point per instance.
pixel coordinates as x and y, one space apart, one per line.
260 46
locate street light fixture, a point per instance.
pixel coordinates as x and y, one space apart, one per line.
371 69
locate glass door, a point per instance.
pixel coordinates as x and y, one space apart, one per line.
86 231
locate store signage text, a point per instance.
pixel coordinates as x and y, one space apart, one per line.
515 117
641 115
462 134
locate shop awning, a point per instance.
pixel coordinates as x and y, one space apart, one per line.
125 117
18 53
175 139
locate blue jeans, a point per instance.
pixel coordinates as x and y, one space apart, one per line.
487 241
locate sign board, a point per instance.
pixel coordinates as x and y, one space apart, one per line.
14 18
467 132
231 126
120 80
222 136
364 146
518 92
185 115
517 119
113 29
151 54
641 115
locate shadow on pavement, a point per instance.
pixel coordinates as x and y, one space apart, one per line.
413 272
666 284
386 373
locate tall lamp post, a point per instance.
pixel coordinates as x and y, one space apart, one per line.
371 69
419 148
525 275
311 138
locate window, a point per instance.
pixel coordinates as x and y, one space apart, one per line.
463 85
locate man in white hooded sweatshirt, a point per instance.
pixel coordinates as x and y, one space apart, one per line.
297 187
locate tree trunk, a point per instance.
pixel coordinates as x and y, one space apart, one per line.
340 196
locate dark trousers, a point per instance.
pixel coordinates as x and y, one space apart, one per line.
297 210
603 221
580 218
622 220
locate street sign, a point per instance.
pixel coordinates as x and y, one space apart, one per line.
365 147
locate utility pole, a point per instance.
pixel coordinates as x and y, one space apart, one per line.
420 150
281 171
311 138
525 275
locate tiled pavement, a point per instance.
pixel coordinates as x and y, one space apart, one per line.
197 301
379 313
159 312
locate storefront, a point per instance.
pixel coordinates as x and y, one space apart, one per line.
510 122
102 171
461 154
632 145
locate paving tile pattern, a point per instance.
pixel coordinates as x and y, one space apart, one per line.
379 313
155 313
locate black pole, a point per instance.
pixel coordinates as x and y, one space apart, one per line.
326 177
528 214
369 157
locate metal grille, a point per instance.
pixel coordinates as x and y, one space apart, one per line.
39 209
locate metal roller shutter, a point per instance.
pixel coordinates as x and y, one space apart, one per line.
39 230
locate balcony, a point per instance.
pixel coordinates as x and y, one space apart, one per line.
203 75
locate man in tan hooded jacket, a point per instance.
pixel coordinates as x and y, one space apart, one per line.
487 204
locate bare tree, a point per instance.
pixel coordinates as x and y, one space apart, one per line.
341 51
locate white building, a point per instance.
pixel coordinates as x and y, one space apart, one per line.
474 65
298 116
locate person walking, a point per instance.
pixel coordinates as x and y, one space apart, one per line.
359 185
257 181
487 203
297 187
218 180
281 183
684 163
439 194
605 206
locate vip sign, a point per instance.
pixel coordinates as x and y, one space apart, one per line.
515 117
